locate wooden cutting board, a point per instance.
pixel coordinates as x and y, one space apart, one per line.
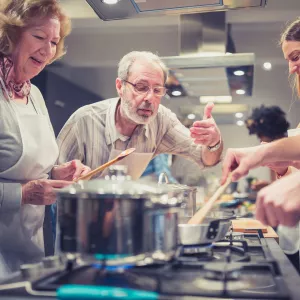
248 226
251 226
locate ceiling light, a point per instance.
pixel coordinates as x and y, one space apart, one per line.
239 73
240 92
191 116
240 123
176 93
110 1
215 99
267 66
239 115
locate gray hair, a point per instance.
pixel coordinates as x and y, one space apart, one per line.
127 61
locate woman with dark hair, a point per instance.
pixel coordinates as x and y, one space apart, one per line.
32 34
268 123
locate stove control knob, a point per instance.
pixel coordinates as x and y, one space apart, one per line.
31 270
51 262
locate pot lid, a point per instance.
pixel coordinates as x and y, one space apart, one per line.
116 189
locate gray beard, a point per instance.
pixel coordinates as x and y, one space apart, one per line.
133 116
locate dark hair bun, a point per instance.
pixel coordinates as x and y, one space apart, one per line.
268 121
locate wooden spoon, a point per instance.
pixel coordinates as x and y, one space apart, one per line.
200 215
104 166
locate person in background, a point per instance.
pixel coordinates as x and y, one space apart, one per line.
278 203
137 119
159 164
268 124
32 34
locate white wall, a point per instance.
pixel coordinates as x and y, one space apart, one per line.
237 137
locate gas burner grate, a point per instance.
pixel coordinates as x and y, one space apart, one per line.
238 269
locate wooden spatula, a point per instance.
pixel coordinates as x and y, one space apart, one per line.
200 215
122 155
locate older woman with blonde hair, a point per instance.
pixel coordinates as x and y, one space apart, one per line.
32 34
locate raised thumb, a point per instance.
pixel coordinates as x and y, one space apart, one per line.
207 110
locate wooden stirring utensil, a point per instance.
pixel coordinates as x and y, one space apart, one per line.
122 155
200 215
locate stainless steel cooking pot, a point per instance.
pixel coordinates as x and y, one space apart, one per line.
214 228
189 195
118 219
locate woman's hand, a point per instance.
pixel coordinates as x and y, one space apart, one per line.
41 192
239 161
70 170
279 203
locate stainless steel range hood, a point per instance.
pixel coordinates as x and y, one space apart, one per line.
202 67
125 9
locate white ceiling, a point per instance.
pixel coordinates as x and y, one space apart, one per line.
95 47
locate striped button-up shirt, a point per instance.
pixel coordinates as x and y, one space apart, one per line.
90 134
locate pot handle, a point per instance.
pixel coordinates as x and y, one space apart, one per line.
90 292
162 176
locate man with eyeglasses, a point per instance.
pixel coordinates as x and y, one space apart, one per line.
98 132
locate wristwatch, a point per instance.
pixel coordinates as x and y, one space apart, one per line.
215 147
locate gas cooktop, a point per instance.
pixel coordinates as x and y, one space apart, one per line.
241 267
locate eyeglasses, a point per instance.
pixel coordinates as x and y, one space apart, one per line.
142 88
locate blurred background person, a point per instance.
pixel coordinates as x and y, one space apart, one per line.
159 164
268 123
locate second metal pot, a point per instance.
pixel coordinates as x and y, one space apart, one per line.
214 228
189 194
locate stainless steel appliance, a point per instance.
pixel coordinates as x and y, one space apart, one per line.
214 228
118 219
188 206
124 9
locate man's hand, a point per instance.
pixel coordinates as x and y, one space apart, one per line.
70 170
279 203
41 192
206 132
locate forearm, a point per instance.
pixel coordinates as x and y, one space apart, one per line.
10 196
287 149
211 158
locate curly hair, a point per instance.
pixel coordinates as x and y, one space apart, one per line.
15 15
292 33
268 122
